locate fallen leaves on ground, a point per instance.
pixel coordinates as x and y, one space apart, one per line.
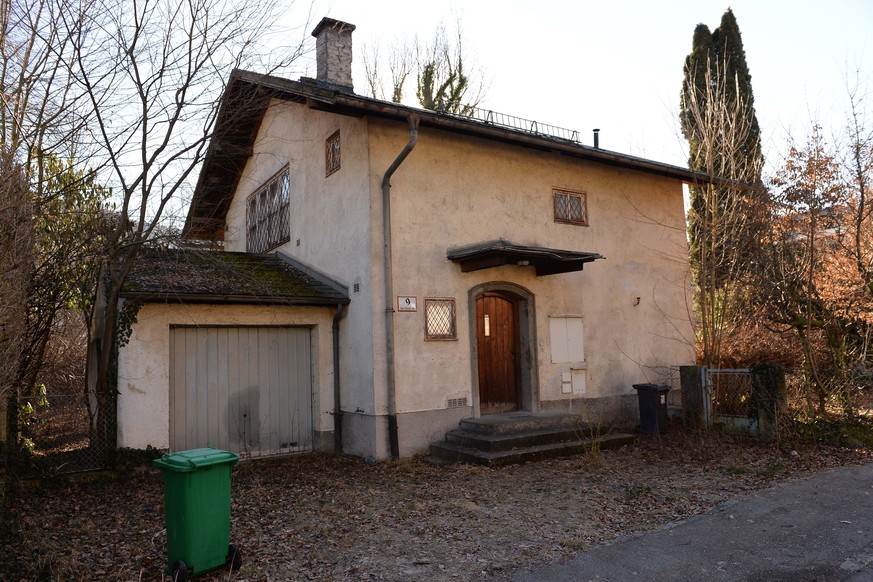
333 517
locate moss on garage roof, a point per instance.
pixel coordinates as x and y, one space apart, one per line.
196 275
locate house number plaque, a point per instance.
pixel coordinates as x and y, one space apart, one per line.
406 303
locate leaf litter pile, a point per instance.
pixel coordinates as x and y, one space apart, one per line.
332 517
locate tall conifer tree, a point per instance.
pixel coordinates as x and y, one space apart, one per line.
717 116
718 58
697 68
731 56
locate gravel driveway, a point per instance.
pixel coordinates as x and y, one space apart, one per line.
329 517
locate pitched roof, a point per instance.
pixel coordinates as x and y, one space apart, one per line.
247 97
201 276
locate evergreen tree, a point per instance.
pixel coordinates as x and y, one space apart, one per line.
697 68
718 119
719 59
731 57
443 84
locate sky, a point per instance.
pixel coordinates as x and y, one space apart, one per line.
617 66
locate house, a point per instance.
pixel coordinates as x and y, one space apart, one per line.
428 267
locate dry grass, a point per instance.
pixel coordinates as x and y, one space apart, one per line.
327 517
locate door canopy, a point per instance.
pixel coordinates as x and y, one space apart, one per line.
546 261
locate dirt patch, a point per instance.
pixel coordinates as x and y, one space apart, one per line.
327 517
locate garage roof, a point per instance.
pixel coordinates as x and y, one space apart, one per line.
204 276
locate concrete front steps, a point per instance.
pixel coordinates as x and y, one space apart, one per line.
517 437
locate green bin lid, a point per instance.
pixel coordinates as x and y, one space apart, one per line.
194 459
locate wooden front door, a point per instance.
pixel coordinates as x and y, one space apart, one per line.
497 334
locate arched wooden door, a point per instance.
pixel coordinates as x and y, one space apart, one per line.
497 336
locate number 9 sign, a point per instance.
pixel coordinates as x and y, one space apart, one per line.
406 303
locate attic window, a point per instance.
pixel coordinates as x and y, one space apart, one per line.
332 154
439 317
268 214
571 207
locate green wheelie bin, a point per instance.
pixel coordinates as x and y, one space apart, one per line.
197 504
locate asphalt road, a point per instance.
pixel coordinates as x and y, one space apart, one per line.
817 529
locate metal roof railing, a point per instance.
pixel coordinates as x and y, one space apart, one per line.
490 117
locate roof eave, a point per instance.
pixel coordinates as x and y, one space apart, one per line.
212 298
211 215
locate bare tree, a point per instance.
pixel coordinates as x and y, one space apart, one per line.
39 110
371 56
152 73
401 64
446 79
858 164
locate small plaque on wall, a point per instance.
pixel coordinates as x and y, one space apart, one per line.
406 303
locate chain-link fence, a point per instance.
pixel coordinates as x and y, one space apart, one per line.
729 403
68 433
731 392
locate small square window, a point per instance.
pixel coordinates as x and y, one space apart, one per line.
439 315
332 154
571 207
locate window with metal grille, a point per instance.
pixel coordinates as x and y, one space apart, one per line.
439 315
332 154
571 207
268 214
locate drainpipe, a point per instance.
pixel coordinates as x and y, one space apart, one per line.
337 408
389 286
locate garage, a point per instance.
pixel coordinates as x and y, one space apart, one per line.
228 350
243 389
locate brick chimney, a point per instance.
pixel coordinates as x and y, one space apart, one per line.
333 53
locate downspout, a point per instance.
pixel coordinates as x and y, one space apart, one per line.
337 407
389 286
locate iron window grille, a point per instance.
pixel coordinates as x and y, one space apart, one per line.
268 214
439 317
332 154
571 207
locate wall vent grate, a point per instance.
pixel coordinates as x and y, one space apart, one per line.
456 402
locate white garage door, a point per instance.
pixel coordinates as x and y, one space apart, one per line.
242 389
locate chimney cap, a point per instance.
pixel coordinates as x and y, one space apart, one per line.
332 23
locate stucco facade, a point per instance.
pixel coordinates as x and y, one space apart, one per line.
455 190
